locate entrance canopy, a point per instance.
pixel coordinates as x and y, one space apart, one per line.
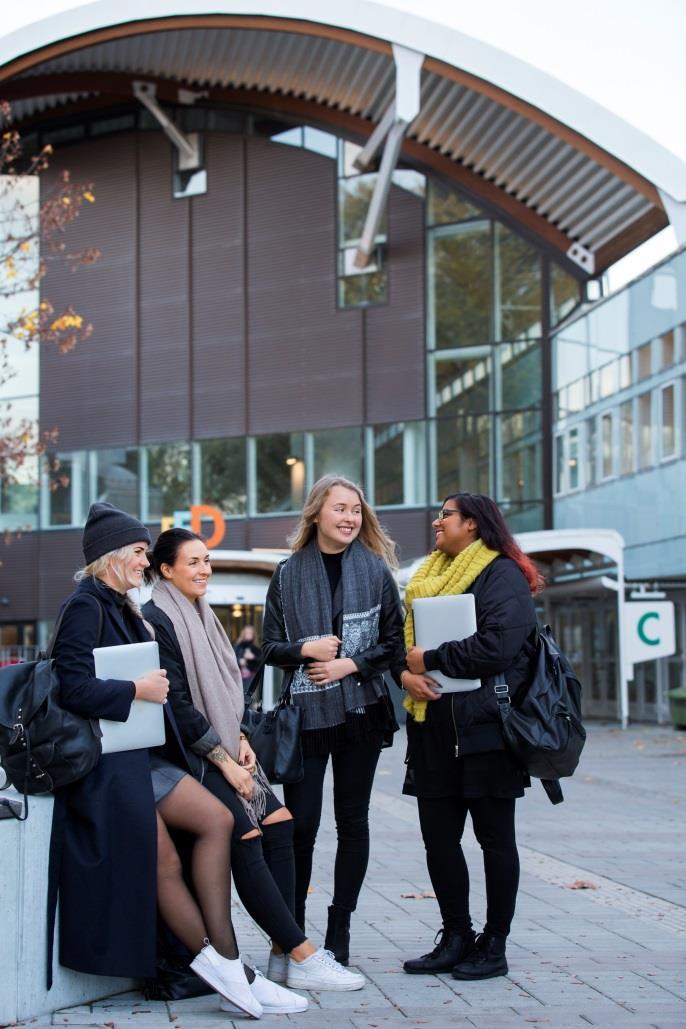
548 160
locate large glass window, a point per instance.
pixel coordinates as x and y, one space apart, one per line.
169 479
463 385
280 472
463 447
357 287
668 438
222 475
626 438
460 285
19 481
517 294
399 467
645 431
117 478
338 452
607 444
521 457
446 206
520 365
67 488
565 293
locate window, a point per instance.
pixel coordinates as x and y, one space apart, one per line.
668 435
462 455
667 349
573 459
223 475
399 467
446 206
338 452
517 271
117 478
169 480
591 453
520 365
626 438
564 293
560 478
644 362
67 488
280 472
607 445
463 386
645 431
357 287
460 289
520 433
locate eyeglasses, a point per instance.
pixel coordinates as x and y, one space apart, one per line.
446 512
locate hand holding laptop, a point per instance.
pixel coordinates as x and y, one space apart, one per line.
153 686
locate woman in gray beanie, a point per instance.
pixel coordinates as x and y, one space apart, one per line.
112 858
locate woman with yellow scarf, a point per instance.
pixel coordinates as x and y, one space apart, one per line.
456 758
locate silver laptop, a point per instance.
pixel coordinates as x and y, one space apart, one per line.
440 619
145 725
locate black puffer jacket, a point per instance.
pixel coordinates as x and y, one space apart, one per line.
467 725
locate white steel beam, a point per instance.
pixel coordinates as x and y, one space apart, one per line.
188 146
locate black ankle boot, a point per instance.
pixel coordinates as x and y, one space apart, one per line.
451 947
485 961
338 934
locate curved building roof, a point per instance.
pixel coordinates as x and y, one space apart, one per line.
585 183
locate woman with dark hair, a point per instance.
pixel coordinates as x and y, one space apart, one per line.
248 653
333 621
206 697
112 859
457 763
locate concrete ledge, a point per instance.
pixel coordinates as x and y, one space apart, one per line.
23 888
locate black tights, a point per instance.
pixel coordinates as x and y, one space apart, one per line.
353 776
192 808
442 821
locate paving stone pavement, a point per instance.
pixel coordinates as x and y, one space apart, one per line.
611 954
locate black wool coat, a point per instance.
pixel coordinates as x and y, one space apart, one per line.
459 749
103 849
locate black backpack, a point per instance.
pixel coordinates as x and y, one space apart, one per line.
543 731
42 745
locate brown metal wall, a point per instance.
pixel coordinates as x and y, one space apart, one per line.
305 358
91 393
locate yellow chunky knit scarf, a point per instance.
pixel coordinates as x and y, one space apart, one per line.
439 576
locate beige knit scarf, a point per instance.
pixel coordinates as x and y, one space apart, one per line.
440 576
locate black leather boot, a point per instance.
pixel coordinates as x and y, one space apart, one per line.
485 961
451 946
338 934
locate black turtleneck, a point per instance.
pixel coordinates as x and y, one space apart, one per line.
332 563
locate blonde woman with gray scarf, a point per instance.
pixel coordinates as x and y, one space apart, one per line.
206 697
333 622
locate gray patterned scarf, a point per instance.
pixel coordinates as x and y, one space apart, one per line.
309 612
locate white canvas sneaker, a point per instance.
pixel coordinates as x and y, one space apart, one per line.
321 971
227 977
277 969
272 998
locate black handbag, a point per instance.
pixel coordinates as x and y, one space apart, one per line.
275 735
42 745
543 731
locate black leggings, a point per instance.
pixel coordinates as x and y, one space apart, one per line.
442 821
353 776
263 870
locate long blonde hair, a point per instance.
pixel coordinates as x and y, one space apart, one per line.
110 562
371 533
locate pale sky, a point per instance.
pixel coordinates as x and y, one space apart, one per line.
625 54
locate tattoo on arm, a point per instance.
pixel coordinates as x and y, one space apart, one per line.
218 754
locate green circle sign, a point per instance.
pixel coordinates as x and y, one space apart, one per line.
641 628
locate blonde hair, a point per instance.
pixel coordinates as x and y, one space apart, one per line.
110 562
371 535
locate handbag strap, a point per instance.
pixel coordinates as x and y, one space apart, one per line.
258 679
58 626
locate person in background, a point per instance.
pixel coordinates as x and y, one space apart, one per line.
247 652
206 697
112 860
457 763
333 621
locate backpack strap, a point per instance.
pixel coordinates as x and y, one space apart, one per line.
553 789
58 626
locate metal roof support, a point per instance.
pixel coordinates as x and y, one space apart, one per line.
188 147
390 132
676 212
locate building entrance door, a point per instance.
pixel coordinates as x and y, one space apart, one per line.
587 632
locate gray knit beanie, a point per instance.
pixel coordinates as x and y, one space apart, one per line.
107 528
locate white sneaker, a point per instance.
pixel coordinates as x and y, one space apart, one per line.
227 977
277 969
321 971
273 999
